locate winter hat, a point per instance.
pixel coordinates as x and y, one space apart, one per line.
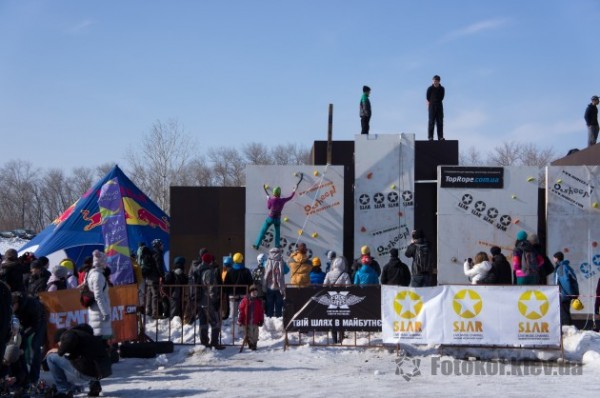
366 89
11 254
559 256
99 259
207 258
533 239
417 234
495 250
366 259
252 288
179 261
12 353
365 250
60 272
68 264
43 260
261 258
521 235
238 258
330 255
594 98
36 264
316 262
202 252
277 191
339 263
394 253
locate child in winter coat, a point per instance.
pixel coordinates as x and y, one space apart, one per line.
317 276
251 316
366 275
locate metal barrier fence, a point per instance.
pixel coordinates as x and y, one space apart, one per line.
172 312
178 309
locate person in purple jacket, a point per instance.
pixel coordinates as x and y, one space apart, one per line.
275 205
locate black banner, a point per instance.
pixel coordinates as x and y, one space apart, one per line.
472 177
354 308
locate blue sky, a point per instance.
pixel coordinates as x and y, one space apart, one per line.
81 81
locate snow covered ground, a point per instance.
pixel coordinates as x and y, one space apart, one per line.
317 371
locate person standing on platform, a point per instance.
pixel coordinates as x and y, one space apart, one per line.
591 120
435 97
365 110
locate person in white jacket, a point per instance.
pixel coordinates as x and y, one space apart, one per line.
99 313
478 270
338 274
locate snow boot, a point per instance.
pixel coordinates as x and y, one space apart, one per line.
214 339
95 389
204 337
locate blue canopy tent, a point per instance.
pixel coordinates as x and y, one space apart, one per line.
77 232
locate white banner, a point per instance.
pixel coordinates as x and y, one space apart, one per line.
471 315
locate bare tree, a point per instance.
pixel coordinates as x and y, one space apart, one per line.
531 155
473 157
520 154
162 156
257 154
290 154
228 167
19 180
198 173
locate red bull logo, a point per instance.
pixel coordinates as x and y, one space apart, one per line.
65 214
93 221
134 215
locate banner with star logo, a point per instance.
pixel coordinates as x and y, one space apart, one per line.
471 315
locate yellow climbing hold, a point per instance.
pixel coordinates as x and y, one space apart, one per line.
531 179
514 196
300 232
316 173
595 205
315 235
285 219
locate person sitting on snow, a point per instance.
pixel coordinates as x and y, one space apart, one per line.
80 358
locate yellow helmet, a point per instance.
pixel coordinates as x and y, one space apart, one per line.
365 250
68 264
238 258
576 304
316 262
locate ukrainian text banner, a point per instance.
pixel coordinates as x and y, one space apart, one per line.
64 311
326 308
471 315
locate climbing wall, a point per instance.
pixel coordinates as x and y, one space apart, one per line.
573 223
481 207
314 216
383 193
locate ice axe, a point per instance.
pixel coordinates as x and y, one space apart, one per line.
301 177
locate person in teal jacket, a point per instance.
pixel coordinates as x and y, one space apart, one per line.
366 275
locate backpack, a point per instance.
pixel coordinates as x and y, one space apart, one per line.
148 266
529 265
61 284
422 259
86 296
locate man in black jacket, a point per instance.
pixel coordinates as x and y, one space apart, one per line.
435 95
81 357
501 267
395 272
422 266
591 120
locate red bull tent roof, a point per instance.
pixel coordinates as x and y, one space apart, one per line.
78 230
